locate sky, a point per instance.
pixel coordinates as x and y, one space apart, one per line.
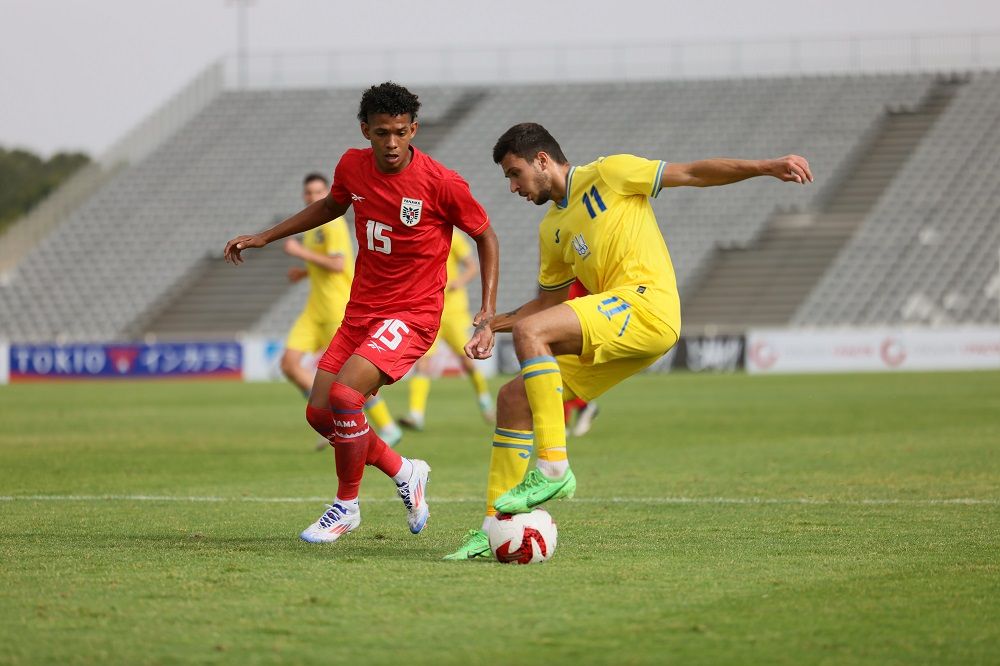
78 74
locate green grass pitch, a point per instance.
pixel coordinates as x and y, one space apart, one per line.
719 519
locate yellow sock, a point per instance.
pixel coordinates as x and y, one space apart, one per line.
479 383
543 384
508 463
420 388
378 413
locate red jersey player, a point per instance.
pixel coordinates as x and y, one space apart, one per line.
405 206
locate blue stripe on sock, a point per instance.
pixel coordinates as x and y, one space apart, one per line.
505 445
538 359
529 375
514 435
347 411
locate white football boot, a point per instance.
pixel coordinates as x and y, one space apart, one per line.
585 419
413 492
336 521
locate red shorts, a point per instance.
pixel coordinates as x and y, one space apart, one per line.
392 345
576 290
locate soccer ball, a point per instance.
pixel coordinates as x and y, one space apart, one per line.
523 538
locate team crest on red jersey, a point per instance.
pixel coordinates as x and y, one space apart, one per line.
409 211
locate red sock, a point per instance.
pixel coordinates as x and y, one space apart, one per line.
382 456
350 439
567 410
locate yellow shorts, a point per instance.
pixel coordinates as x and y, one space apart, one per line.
454 331
310 333
621 337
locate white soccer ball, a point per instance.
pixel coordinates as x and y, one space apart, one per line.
523 538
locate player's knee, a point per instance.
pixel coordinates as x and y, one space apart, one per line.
289 362
343 397
525 330
511 399
321 420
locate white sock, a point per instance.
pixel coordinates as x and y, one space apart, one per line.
405 470
487 521
553 469
352 505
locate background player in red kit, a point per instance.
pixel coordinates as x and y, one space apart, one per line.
405 206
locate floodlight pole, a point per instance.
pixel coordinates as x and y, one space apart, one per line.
242 39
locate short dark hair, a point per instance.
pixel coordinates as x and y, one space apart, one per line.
526 141
390 98
315 175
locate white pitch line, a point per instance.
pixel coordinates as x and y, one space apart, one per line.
808 501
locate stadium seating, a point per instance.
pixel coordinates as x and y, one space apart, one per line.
924 254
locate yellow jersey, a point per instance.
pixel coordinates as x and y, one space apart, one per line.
457 300
604 232
328 291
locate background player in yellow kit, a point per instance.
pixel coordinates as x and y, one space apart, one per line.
456 322
329 265
602 230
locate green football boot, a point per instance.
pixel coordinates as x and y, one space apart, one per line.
475 545
534 490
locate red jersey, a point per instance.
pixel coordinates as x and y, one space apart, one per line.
403 222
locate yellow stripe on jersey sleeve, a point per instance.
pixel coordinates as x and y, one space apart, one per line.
556 287
631 175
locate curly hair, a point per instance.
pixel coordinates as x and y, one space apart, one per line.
390 98
527 140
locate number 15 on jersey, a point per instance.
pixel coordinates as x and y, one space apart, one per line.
378 237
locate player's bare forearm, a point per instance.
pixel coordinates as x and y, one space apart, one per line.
328 262
308 218
725 171
504 323
489 272
483 338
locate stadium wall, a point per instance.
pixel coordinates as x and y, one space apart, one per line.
760 351
262 359
872 350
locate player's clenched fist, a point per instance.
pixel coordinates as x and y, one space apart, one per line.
238 244
790 169
481 344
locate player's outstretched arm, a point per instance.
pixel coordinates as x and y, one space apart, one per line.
481 344
724 170
331 263
308 218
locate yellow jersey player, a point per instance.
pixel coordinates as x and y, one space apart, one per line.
456 322
329 266
602 230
